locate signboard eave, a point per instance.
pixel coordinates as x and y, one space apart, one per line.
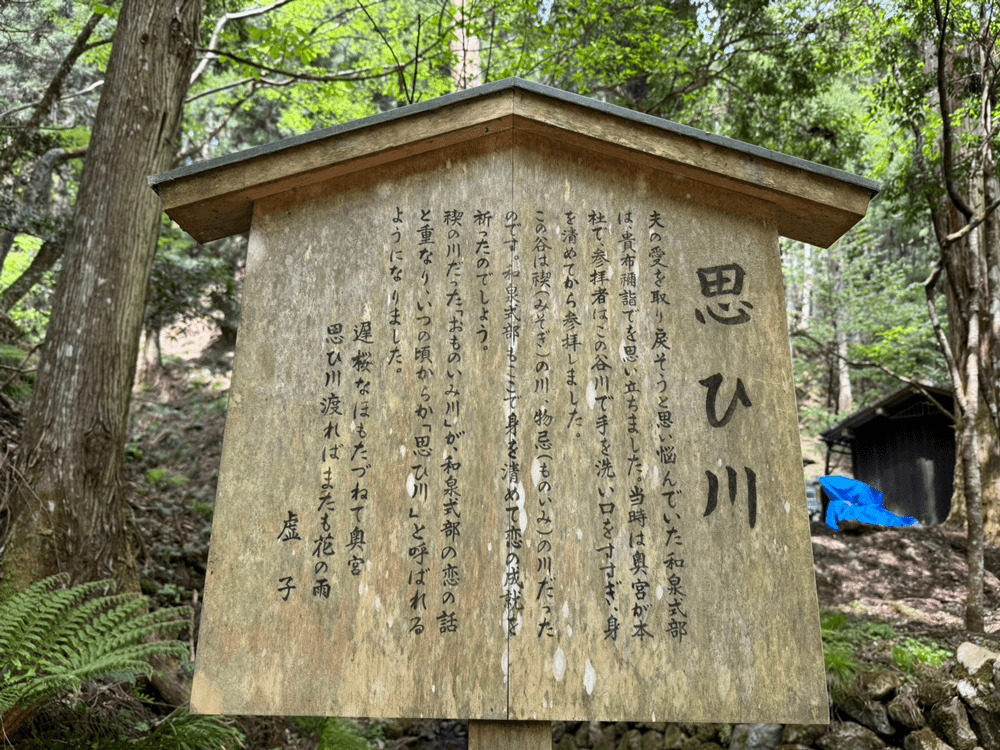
213 199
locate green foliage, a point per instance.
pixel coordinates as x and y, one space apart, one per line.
30 314
841 639
17 378
766 72
342 734
838 647
183 731
911 652
155 476
183 279
126 729
53 639
339 734
206 510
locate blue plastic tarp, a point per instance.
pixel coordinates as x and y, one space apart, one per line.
851 500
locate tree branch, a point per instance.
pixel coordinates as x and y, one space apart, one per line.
217 89
20 141
214 41
949 356
972 224
38 186
347 75
399 68
81 92
946 135
922 387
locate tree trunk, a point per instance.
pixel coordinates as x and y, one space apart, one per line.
467 72
34 193
72 513
44 260
152 357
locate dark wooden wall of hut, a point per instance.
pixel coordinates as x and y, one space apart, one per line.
912 460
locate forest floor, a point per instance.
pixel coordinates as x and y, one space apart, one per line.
912 579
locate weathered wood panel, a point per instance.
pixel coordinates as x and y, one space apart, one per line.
517 424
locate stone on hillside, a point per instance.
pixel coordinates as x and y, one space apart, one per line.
651 740
925 739
755 737
974 675
986 725
868 713
951 721
701 732
673 737
934 691
846 735
566 742
879 683
974 657
558 730
904 711
802 734
593 731
631 740
793 746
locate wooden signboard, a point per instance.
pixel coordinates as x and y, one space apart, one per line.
512 431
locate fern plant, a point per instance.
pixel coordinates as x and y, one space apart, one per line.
53 638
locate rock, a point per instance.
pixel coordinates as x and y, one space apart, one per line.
673 737
793 746
904 711
802 734
725 735
700 732
846 735
925 739
651 740
952 723
974 677
558 730
934 691
867 713
878 683
986 725
566 742
630 740
973 657
606 738
755 737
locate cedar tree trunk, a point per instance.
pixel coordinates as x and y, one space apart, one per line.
72 513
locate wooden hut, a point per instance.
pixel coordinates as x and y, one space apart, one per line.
905 446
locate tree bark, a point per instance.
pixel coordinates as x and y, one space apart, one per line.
72 514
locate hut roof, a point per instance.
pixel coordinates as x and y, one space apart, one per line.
911 401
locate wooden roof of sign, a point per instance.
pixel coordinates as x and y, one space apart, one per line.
503 357
214 199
